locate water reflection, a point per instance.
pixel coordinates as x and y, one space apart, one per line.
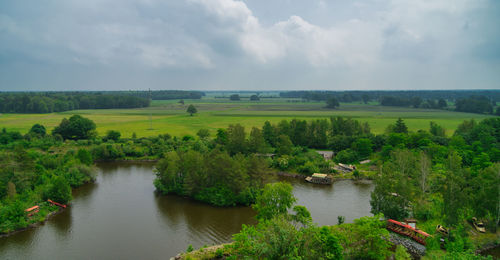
120 216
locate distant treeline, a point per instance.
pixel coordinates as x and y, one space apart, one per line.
48 102
350 96
477 101
166 94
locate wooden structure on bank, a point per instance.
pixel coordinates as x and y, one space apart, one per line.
347 168
32 211
57 204
406 230
320 178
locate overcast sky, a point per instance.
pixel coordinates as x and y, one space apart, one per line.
249 45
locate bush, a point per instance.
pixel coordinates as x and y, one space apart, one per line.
346 156
58 190
219 253
113 135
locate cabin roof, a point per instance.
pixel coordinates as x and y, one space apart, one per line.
319 175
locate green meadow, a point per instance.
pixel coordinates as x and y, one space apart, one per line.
213 113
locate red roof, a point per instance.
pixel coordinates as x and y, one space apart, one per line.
408 226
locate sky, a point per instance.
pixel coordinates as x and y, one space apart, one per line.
55 45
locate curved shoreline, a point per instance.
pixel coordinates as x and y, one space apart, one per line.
33 225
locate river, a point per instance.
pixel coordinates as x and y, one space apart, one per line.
120 217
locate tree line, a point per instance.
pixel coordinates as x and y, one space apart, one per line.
48 102
367 95
164 94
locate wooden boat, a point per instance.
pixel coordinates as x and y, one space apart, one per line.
320 178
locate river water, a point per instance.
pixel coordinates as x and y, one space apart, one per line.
120 217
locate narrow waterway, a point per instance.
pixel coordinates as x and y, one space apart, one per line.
120 217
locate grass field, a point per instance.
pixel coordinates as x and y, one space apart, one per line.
171 117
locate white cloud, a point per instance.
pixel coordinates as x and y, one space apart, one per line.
350 43
296 38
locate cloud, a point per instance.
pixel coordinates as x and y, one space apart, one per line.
244 44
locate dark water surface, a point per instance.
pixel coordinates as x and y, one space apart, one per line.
120 217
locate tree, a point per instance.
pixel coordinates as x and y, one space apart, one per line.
254 98
181 101
442 103
332 102
58 190
84 156
363 147
452 190
192 110
203 133
275 199
38 130
256 142
284 145
365 98
269 133
77 127
437 130
234 97
236 139
113 135
393 188
400 127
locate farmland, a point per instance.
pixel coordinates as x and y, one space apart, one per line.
171 117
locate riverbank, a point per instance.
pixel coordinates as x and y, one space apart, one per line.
212 252
35 224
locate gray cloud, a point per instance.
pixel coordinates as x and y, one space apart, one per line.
229 44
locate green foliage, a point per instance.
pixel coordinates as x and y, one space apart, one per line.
236 142
219 253
284 145
84 156
38 130
234 97
401 253
393 193
437 130
346 156
191 110
278 238
363 147
276 199
113 135
364 239
400 127
203 133
332 102
340 220
77 127
190 248
58 190
214 177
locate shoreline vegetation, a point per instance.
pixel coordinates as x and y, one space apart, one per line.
416 174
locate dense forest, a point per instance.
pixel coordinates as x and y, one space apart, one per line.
427 175
477 101
164 94
48 102
357 95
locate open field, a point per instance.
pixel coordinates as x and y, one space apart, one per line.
171 117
